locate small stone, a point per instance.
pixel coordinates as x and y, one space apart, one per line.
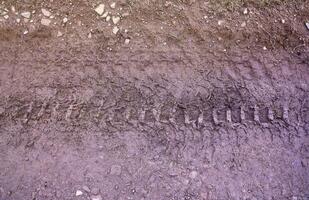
26 14
79 193
17 20
96 197
127 41
115 169
59 34
307 25
108 18
5 16
264 48
113 5
115 30
45 12
25 32
244 24
90 35
246 11
220 22
105 14
100 9
45 22
13 9
115 19
65 20
86 189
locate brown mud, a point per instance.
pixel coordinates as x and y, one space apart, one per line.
203 108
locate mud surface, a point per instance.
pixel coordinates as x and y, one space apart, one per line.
198 105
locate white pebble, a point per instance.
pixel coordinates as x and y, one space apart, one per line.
127 41
113 5
115 30
45 22
65 20
45 12
105 14
246 11
26 14
79 193
220 22
59 34
116 19
100 9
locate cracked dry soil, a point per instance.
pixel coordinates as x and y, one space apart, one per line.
186 101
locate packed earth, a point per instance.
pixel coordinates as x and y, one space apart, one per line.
154 99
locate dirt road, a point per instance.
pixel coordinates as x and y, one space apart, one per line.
154 100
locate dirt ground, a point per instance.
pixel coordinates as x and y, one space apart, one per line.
159 100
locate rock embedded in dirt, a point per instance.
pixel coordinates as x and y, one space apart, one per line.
105 14
115 30
26 15
246 11
307 25
127 41
113 5
59 34
78 193
45 22
65 20
100 9
115 19
115 170
45 12
86 188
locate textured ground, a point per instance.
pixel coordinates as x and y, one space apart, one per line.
188 100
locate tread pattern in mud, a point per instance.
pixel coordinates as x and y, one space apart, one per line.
139 112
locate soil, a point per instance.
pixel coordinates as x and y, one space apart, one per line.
188 100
